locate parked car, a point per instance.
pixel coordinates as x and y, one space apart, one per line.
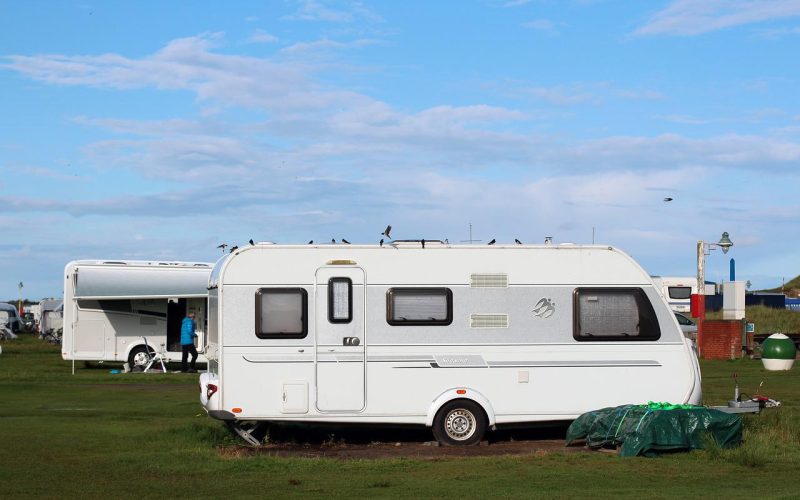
688 327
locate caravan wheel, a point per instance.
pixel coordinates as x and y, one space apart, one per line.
139 357
460 422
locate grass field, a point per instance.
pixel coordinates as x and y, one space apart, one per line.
96 434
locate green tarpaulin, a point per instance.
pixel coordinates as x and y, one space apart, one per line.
655 427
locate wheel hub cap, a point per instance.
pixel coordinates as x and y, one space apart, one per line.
460 424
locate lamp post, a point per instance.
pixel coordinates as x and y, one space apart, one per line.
704 249
19 305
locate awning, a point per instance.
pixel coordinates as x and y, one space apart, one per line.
128 282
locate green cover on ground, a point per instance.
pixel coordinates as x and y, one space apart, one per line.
655 427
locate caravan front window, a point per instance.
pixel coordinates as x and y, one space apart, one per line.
614 314
680 292
281 313
419 306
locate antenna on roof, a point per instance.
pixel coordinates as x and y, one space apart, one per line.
470 240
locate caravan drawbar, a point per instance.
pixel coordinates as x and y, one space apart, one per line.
460 338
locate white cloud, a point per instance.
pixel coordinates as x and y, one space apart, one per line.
695 17
777 33
326 44
543 25
349 12
565 95
261 36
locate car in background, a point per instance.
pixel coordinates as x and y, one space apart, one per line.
688 327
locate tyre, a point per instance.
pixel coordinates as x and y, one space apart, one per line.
139 357
460 422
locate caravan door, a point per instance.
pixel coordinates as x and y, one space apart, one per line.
340 338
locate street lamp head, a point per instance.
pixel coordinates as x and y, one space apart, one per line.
725 242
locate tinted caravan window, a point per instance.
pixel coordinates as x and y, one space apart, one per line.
679 292
281 313
419 306
340 300
614 314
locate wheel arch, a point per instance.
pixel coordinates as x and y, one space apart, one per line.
461 393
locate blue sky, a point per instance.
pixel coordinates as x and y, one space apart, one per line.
158 130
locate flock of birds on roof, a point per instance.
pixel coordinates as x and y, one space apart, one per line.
386 234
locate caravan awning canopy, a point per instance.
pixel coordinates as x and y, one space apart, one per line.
125 282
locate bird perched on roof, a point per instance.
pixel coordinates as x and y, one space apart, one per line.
667 199
251 241
387 231
381 242
423 243
234 248
517 241
345 241
333 240
492 242
222 246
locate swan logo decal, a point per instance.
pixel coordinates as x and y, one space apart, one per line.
544 308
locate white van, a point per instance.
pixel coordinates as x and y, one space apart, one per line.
455 337
120 310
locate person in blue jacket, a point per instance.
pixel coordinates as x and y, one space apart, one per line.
187 342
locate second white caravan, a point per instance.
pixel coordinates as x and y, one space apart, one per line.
456 337
120 310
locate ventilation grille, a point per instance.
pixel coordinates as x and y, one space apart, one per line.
488 280
488 321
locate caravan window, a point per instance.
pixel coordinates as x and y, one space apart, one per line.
679 292
419 306
281 313
340 300
614 314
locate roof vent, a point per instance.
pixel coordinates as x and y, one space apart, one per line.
488 321
495 280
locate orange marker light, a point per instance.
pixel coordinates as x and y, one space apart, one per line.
461 391
236 410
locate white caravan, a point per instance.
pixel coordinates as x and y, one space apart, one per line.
678 291
456 337
9 317
51 317
111 307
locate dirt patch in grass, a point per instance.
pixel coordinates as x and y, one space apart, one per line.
369 442
423 450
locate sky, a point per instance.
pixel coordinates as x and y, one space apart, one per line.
154 130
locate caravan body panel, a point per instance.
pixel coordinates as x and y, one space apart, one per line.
521 330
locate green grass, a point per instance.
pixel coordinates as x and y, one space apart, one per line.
95 434
767 319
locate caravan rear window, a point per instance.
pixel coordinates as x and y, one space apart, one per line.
614 314
419 306
281 313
